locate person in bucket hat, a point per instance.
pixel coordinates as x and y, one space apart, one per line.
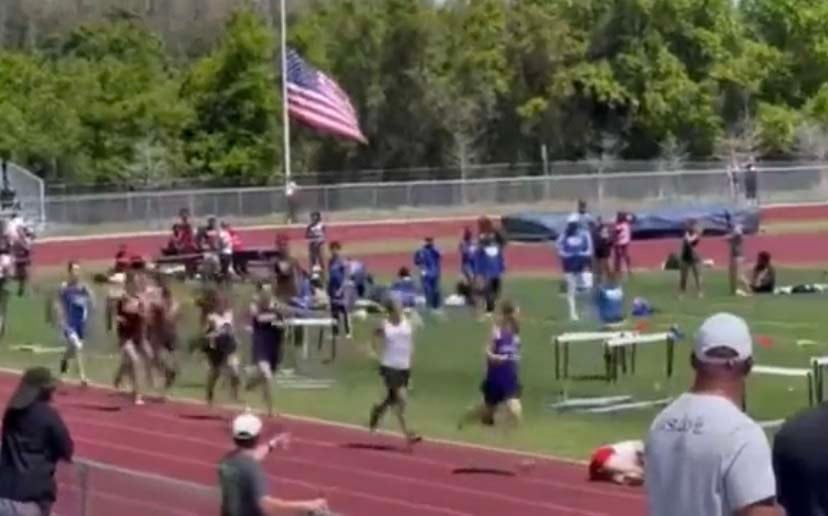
34 439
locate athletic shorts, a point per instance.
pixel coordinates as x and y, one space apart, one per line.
395 379
496 393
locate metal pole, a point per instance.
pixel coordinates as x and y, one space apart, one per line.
285 117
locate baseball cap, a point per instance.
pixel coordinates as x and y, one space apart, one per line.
246 426
723 330
33 384
573 218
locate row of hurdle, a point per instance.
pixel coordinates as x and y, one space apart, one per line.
619 346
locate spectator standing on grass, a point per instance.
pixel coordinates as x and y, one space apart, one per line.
800 459
736 240
574 246
428 259
489 263
34 440
315 235
689 259
244 482
704 455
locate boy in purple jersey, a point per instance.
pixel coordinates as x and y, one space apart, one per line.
501 387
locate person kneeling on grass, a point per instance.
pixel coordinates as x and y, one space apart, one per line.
501 387
762 278
620 463
244 482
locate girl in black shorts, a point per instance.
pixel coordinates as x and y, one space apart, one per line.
162 334
268 338
130 311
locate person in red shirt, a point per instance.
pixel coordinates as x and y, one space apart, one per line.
182 240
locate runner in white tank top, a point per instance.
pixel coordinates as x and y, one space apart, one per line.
394 347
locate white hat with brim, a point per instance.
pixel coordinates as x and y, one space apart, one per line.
246 426
723 330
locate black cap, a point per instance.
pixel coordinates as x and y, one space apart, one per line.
34 383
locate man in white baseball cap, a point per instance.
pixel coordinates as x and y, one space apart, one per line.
243 480
703 455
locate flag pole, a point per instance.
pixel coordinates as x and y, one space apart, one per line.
285 116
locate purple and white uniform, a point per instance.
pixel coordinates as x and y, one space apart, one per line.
502 382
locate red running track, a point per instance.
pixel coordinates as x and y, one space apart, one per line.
185 441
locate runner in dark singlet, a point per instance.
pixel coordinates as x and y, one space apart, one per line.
130 310
162 334
267 340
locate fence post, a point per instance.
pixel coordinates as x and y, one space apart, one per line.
84 488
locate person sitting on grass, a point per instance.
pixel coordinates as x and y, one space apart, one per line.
243 481
762 278
404 289
620 463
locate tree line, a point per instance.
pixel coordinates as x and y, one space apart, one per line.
116 100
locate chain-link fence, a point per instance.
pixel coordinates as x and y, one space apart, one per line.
628 190
93 489
29 190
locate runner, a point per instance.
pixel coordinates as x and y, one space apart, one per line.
20 237
162 333
268 338
337 279
220 346
130 310
393 345
73 304
501 386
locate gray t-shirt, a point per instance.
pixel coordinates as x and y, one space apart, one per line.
704 456
243 485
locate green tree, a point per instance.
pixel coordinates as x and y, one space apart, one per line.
233 138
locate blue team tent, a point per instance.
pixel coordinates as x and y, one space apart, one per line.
664 222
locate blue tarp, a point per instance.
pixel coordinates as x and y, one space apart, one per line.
665 222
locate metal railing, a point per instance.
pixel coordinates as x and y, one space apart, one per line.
623 190
88 488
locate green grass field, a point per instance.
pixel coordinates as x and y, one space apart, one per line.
449 362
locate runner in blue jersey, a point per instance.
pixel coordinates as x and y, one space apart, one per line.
73 305
428 259
337 291
501 387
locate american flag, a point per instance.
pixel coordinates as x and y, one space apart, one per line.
318 101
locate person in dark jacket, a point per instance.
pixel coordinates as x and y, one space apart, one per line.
34 440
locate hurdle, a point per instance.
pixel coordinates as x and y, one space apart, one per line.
791 372
562 342
616 347
322 323
819 365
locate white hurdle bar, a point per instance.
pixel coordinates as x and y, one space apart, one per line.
322 323
791 372
616 346
562 342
